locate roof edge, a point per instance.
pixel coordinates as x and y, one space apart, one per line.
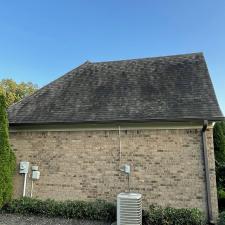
212 119
154 57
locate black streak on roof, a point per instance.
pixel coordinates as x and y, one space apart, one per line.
163 88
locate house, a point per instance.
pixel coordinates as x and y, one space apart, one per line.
154 114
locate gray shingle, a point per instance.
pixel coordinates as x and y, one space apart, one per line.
162 88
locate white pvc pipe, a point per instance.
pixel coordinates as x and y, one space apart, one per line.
32 186
120 144
24 184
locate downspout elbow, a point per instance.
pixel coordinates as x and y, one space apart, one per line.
205 125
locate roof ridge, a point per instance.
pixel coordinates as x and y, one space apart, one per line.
155 57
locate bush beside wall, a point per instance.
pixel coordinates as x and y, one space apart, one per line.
222 219
219 149
101 210
170 216
96 210
221 200
7 157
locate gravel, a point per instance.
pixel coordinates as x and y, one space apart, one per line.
16 219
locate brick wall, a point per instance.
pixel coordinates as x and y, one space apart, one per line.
167 165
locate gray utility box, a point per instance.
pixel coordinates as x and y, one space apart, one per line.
35 175
24 167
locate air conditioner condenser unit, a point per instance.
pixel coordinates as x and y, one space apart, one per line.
129 209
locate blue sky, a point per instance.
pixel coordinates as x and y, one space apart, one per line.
41 40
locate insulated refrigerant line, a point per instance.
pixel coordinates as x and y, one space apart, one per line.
120 144
32 186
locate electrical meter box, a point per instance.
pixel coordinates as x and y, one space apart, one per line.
24 167
125 168
36 175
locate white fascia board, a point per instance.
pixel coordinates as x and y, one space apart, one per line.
123 126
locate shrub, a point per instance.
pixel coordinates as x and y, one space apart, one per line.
221 218
219 149
221 199
101 210
170 216
95 210
7 157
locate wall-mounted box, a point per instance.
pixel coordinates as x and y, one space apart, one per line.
36 175
24 167
34 168
125 168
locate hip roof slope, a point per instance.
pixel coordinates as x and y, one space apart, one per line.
161 88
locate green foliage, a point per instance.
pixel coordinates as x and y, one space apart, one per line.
221 218
169 216
219 142
7 157
14 92
96 210
219 146
221 193
221 199
101 210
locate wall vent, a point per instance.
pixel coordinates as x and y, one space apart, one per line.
129 209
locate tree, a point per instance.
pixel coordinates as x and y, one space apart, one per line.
14 92
219 147
7 157
219 142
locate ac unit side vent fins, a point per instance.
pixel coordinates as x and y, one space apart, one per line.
129 209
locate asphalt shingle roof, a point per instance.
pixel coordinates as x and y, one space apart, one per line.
162 88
